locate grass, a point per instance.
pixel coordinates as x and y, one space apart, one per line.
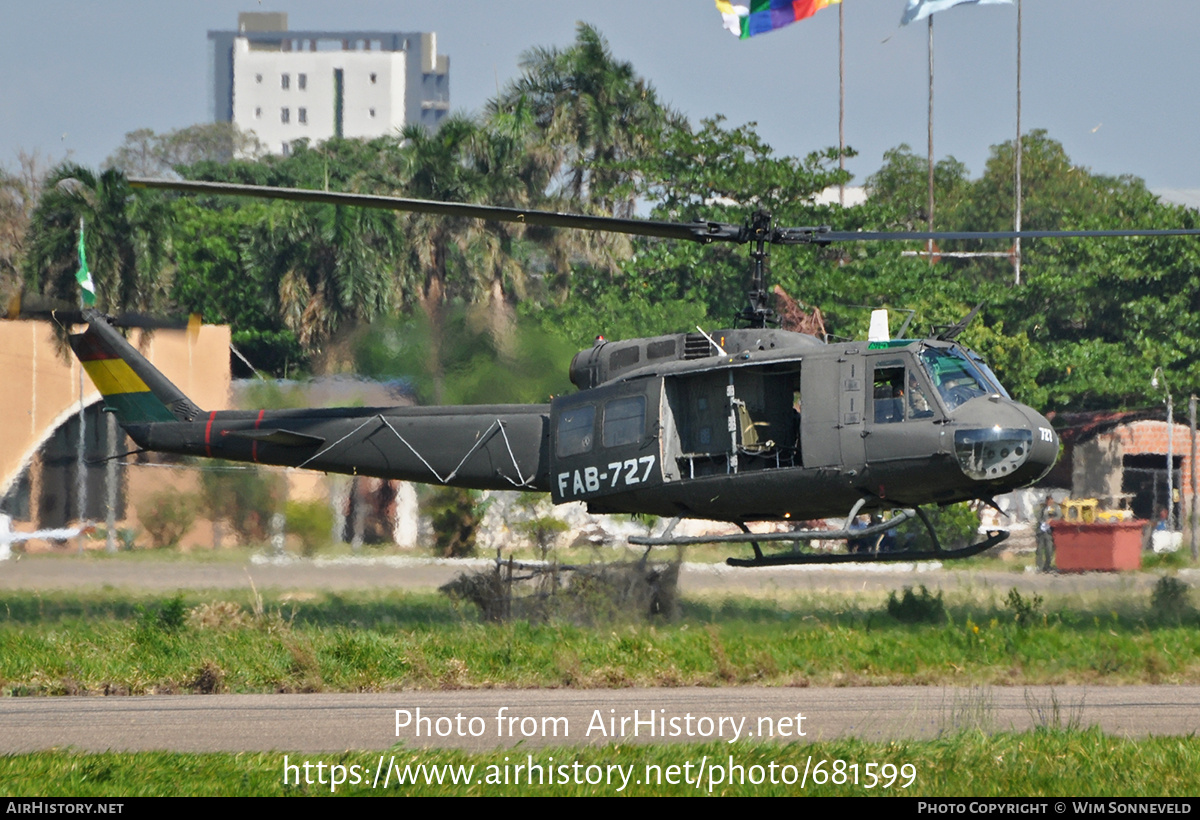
115 643
1050 762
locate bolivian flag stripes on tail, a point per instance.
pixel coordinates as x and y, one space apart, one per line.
761 16
124 391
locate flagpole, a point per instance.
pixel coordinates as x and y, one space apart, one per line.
1017 209
930 245
841 101
81 453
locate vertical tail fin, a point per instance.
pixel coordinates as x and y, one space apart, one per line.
132 388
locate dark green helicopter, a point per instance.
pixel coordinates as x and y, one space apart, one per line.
748 424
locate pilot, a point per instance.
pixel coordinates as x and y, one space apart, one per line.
918 405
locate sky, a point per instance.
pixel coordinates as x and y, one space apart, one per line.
1114 81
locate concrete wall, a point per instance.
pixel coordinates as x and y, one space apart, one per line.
43 384
1098 466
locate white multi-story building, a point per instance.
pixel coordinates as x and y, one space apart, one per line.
290 85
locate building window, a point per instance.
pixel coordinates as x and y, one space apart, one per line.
285 81
258 78
285 115
302 81
287 147
303 114
258 113
373 78
372 112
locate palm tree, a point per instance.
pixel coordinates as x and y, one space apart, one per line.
595 112
332 265
438 166
125 240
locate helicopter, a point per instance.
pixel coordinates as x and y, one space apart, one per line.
742 425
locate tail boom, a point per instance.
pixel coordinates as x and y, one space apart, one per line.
477 446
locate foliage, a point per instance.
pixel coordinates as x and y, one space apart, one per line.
89 642
245 497
19 193
1031 765
146 154
1092 318
311 522
1024 609
595 115
1170 598
917 607
166 516
542 530
461 361
455 514
169 616
717 173
956 526
125 238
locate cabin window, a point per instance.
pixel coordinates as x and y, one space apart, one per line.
576 427
661 350
889 393
898 394
625 357
624 421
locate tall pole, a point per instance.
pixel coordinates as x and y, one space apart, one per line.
1192 469
81 467
80 459
929 246
842 100
110 484
1170 460
1017 222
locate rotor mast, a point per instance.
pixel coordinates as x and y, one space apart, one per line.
757 312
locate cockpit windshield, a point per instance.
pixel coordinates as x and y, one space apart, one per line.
987 371
955 376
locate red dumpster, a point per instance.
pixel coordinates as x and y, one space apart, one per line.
1080 547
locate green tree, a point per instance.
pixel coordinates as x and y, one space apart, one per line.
595 113
147 154
717 173
19 192
125 235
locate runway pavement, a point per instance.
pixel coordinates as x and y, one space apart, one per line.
43 572
481 720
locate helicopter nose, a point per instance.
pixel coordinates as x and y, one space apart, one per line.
1015 450
1044 452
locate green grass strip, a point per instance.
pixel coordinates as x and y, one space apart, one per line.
106 644
1051 763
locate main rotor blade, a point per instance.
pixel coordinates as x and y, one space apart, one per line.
695 231
698 231
822 237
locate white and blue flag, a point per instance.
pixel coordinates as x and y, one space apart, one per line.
920 9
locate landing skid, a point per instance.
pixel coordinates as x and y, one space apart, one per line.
994 537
